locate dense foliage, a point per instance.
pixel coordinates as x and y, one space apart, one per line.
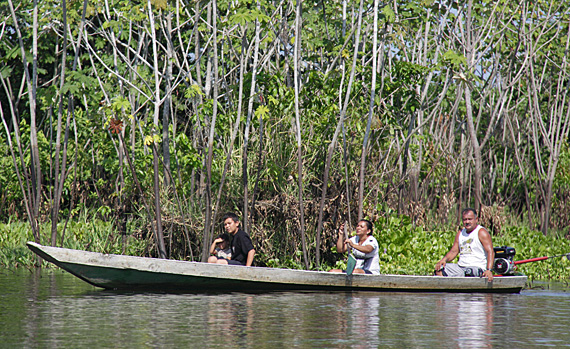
299 116
404 249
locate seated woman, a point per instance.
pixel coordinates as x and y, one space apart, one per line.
364 248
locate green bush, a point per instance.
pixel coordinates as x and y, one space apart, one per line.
13 250
95 235
404 248
531 244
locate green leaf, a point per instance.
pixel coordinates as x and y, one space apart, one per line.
389 14
6 71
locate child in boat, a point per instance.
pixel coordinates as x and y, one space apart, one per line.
241 245
221 247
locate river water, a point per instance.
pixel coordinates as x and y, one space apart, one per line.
52 309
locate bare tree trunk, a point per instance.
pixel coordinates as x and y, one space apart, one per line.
25 189
167 99
521 167
139 188
208 192
469 48
245 180
298 131
60 177
551 134
370 112
31 81
237 122
339 126
476 148
159 236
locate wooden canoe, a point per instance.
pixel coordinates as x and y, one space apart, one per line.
140 273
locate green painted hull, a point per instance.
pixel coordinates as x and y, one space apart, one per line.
120 279
139 273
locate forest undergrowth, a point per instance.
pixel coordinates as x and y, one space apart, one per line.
405 248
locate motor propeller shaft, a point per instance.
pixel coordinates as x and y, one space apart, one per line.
541 259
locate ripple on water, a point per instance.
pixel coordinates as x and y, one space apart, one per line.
54 309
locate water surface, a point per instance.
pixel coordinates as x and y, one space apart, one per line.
52 309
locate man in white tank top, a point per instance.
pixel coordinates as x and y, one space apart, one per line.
475 249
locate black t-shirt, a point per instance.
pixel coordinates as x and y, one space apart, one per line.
241 245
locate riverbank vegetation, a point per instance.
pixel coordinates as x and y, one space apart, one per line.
150 120
404 248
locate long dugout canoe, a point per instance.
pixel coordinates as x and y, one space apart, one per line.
121 272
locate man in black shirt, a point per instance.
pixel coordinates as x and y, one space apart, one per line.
242 247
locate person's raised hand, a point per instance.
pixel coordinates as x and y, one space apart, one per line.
341 230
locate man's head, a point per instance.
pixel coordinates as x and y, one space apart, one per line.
231 223
470 219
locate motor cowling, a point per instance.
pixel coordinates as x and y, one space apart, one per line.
504 260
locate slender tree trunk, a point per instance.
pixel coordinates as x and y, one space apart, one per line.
24 186
60 177
159 236
339 127
31 81
139 188
167 99
552 133
476 149
469 47
370 113
298 132
237 122
252 93
208 192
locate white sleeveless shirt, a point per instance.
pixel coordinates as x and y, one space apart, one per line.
471 251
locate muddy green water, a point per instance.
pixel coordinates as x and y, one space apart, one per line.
52 309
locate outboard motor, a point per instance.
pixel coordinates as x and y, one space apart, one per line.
504 263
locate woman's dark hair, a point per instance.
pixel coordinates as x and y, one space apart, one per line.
368 225
225 237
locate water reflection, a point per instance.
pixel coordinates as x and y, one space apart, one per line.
365 321
57 310
231 319
470 319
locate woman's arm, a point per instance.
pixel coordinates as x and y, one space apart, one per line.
363 249
340 243
213 247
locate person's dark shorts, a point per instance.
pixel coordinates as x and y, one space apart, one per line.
454 270
234 262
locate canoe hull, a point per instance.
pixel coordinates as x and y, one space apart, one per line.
140 273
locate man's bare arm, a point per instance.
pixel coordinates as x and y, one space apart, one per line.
250 255
487 243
